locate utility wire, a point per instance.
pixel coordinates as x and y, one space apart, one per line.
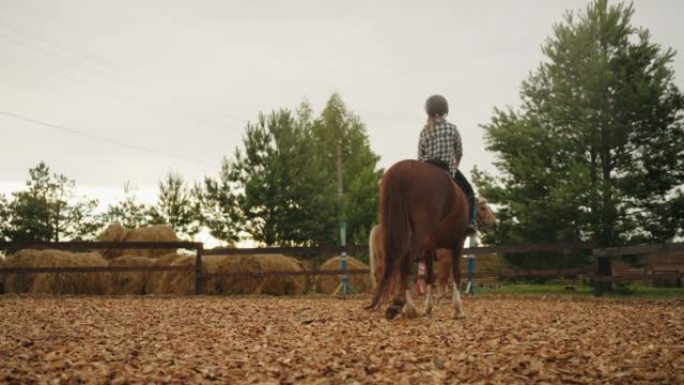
102 67
102 138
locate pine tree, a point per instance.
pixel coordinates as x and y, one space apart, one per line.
338 127
48 210
176 207
128 212
596 151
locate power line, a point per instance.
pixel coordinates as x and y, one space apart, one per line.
119 91
106 69
102 138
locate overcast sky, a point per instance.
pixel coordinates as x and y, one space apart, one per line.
180 79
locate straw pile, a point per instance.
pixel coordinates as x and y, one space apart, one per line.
485 263
55 283
171 282
158 233
183 282
309 265
328 283
280 285
238 264
129 282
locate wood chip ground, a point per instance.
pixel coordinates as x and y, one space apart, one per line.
320 340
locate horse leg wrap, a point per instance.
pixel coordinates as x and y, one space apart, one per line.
428 300
410 307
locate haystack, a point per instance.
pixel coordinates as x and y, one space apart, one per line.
156 280
183 282
485 263
158 233
309 265
20 283
129 282
238 264
328 283
55 283
280 285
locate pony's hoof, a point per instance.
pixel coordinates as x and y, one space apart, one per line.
428 310
392 311
459 315
410 312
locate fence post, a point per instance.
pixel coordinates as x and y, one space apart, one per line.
198 269
470 287
603 269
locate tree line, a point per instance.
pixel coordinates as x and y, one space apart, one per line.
279 188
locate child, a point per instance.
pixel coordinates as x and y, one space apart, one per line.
440 143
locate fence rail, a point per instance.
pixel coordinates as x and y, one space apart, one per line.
80 245
601 254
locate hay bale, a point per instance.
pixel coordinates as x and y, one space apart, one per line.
129 282
280 285
183 282
328 283
309 265
155 279
21 283
238 264
55 283
157 233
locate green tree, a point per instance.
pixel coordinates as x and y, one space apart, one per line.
48 210
128 212
176 206
4 217
596 150
338 129
218 203
280 188
280 199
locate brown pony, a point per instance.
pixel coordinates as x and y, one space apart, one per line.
421 209
443 258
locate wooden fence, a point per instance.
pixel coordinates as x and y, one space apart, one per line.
598 276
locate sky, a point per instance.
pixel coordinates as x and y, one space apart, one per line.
159 85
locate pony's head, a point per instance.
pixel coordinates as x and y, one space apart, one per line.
486 220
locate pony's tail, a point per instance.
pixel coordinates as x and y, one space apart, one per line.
395 222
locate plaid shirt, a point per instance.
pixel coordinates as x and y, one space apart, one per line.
443 143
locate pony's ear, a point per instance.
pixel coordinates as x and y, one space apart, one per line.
482 201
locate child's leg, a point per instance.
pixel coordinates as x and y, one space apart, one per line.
463 182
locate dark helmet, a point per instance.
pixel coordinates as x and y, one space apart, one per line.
436 105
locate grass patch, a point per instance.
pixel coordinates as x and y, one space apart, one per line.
638 291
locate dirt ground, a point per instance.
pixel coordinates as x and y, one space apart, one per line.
319 340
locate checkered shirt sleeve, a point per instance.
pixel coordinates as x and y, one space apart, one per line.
443 142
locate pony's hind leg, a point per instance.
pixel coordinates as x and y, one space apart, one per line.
456 273
402 303
430 280
410 307
396 307
415 253
400 300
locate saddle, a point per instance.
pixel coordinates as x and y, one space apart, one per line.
445 167
439 163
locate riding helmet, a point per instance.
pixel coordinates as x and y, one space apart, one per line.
436 105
